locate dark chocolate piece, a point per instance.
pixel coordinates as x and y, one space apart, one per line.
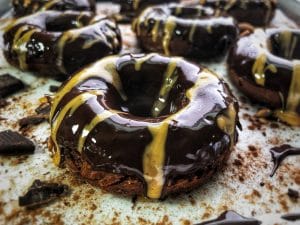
280 153
293 194
13 143
32 120
43 109
231 218
9 85
291 217
41 193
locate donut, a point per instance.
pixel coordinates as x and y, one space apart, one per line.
26 7
265 65
255 12
190 31
54 43
145 125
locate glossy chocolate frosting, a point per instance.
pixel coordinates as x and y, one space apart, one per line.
52 43
265 66
151 117
192 31
255 12
26 7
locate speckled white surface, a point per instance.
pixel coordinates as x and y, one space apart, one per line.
238 187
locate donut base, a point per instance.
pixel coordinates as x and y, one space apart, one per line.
127 186
254 92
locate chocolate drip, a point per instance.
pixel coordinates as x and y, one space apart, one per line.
231 218
291 216
280 153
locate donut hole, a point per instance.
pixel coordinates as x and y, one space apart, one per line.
143 90
285 44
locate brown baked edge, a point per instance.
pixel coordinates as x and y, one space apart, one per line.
131 186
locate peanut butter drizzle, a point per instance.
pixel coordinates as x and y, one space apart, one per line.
192 31
67 36
154 31
290 114
259 69
168 33
288 43
21 39
136 4
154 155
89 127
26 3
70 108
170 78
227 123
49 4
139 62
105 67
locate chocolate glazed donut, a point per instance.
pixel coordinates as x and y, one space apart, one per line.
143 124
191 31
26 7
255 12
52 43
265 66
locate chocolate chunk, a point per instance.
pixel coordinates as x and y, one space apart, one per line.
41 193
3 103
44 109
293 194
32 120
9 85
291 216
53 88
13 143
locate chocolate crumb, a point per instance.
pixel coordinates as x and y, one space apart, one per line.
41 193
293 194
13 143
291 216
43 109
3 103
32 120
53 88
9 85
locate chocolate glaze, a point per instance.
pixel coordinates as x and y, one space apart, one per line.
291 216
132 8
52 43
192 31
26 7
280 153
195 137
231 218
265 66
255 12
